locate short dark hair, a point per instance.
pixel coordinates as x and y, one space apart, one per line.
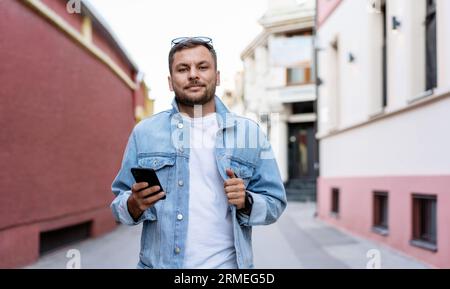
191 43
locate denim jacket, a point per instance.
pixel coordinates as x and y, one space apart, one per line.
161 142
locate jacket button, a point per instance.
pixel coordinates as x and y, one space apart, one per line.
177 250
180 183
180 217
180 125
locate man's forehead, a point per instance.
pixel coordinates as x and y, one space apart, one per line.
196 54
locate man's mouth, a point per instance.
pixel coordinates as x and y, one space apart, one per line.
194 87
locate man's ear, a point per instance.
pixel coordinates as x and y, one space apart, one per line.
170 83
217 78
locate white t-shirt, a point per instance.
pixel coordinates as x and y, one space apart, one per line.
210 241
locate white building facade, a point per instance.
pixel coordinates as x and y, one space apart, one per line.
384 122
279 90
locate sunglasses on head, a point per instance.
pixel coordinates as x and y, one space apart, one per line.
202 39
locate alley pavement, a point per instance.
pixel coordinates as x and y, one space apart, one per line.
297 240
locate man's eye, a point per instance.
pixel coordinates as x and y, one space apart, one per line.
182 69
203 67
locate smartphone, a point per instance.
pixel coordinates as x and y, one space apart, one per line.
149 176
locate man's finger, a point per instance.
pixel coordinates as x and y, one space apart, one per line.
235 195
147 192
237 202
139 186
234 188
231 174
153 199
232 182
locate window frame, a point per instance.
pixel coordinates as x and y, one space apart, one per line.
423 237
307 71
378 226
335 202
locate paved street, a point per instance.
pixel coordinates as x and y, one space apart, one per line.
297 240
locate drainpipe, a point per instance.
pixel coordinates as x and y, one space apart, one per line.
316 110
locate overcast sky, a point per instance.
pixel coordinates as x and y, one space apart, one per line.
145 28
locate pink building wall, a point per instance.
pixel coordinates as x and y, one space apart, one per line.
356 210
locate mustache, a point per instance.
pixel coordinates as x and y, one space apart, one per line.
193 84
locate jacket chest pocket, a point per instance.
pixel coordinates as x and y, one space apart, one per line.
242 169
163 166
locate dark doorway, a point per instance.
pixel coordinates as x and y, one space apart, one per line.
301 151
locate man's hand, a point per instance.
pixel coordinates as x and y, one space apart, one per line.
139 200
235 190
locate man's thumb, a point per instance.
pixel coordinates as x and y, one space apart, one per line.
230 173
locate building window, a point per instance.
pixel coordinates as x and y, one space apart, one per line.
424 221
431 45
384 53
380 213
303 107
298 75
335 201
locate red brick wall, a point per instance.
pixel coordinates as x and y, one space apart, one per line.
75 20
103 44
139 95
65 119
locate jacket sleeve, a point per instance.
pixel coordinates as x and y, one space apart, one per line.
267 190
121 187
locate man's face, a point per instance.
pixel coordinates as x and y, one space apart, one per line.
194 77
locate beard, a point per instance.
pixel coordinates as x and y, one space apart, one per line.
182 97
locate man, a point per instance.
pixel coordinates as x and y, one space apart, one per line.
217 171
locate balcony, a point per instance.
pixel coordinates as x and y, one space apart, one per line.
294 93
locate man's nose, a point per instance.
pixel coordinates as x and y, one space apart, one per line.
193 73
